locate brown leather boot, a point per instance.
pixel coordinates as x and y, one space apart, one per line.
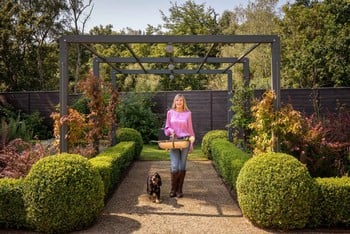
182 175
174 183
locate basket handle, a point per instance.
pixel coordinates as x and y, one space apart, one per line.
174 142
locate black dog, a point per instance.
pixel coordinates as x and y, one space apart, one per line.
153 186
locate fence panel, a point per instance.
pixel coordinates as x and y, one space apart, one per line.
209 108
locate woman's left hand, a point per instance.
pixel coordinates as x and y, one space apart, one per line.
191 148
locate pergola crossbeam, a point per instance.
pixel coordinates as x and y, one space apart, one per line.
168 72
100 56
206 57
136 57
167 59
166 39
243 55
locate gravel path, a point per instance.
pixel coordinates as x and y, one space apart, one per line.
206 207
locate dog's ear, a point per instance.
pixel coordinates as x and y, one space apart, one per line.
159 181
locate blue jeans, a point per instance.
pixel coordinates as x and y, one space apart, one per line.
178 158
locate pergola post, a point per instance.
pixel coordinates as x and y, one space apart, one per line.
275 80
229 97
114 127
96 67
63 92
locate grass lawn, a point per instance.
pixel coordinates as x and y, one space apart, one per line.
152 152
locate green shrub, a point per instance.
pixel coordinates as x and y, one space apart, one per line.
19 124
112 162
236 166
241 100
17 128
333 203
63 193
275 190
81 105
228 160
130 134
104 165
12 209
209 137
135 111
35 123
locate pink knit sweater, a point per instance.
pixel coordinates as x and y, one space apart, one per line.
179 122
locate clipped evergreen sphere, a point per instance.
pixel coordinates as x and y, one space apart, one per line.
63 193
130 134
275 190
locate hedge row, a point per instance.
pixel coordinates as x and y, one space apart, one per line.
208 139
228 160
275 190
12 206
112 162
332 208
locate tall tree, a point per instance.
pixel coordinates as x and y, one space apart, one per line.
47 23
111 50
79 13
228 23
315 39
28 49
256 18
190 19
13 44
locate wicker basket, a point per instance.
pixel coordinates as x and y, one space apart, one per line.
170 144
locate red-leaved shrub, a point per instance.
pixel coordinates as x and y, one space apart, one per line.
18 156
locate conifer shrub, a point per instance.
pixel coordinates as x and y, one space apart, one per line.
275 190
130 134
63 193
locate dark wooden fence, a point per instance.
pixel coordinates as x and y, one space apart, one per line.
209 108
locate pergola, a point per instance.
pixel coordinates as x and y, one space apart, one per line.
173 71
127 40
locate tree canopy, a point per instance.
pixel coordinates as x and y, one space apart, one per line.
315 39
315 44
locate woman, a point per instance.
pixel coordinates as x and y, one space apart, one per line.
178 125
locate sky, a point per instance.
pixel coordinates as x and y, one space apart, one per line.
137 14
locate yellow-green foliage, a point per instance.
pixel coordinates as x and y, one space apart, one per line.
130 134
63 193
228 160
209 137
12 211
112 162
275 190
267 121
332 207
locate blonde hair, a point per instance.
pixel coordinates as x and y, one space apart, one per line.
178 96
